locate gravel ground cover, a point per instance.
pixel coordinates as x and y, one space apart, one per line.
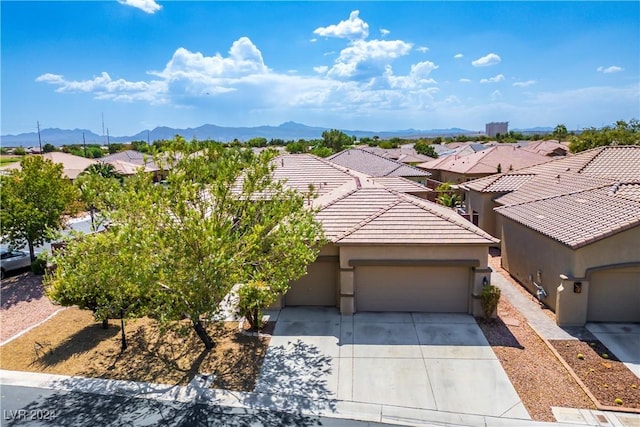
23 304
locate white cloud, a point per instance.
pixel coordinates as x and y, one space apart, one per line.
321 69
313 40
384 32
496 95
458 55
487 60
365 59
611 69
354 28
495 79
463 80
418 76
148 6
525 84
422 49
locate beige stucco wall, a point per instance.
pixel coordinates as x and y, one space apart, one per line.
483 204
525 252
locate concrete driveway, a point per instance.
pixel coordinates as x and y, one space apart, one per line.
430 361
623 339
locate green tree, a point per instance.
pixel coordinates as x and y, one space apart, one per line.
257 142
34 198
98 186
447 195
220 220
322 151
19 151
335 140
425 149
48 148
622 133
115 147
296 147
560 132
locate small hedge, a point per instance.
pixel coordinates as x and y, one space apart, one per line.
490 297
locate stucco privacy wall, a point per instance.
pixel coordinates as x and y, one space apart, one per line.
526 252
473 257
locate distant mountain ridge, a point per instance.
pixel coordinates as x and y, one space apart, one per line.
286 131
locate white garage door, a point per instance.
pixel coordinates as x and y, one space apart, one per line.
412 288
319 287
614 296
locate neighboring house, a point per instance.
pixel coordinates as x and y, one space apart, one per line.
127 162
72 166
500 158
404 154
377 166
387 251
549 148
571 227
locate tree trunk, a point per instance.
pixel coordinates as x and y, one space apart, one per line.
105 323
202 334
31 251
123 347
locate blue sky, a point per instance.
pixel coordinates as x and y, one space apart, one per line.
348 65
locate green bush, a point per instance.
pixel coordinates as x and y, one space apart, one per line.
39 265
253 298
490 297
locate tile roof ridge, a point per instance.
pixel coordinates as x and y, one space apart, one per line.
400 164
495 176
336 166
425 205
337 199
596 154
555 196
368 219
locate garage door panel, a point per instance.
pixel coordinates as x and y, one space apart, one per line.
412 288
614 296
318 287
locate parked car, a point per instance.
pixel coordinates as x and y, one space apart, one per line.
11 260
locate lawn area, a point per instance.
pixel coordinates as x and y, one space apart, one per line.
73 343
6 159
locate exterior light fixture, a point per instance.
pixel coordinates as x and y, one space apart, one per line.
485 281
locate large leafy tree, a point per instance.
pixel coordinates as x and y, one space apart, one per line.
34 198
335 139
622 133
98 186
220 220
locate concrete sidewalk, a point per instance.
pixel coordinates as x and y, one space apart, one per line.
196 393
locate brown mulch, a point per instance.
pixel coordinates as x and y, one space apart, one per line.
73 343
606 377
537 375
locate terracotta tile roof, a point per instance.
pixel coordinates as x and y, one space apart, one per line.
547 148
401 184
132 156
616 162
127 168
299 171
509 182
579 218
72 166
381 216
487 161
373 164
629 191
542 186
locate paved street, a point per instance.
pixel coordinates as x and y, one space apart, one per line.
29 406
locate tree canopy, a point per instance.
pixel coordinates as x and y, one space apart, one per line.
34 198
219 221
622 133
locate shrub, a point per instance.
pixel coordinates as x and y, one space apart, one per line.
490 297
253 298
39 265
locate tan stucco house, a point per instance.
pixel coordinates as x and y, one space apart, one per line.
572 228
387 250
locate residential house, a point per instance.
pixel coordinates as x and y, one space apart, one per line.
387 251
570 231
72 165
500 158
551 148
129 161
377 166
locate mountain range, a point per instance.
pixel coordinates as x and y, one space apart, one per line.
287 131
